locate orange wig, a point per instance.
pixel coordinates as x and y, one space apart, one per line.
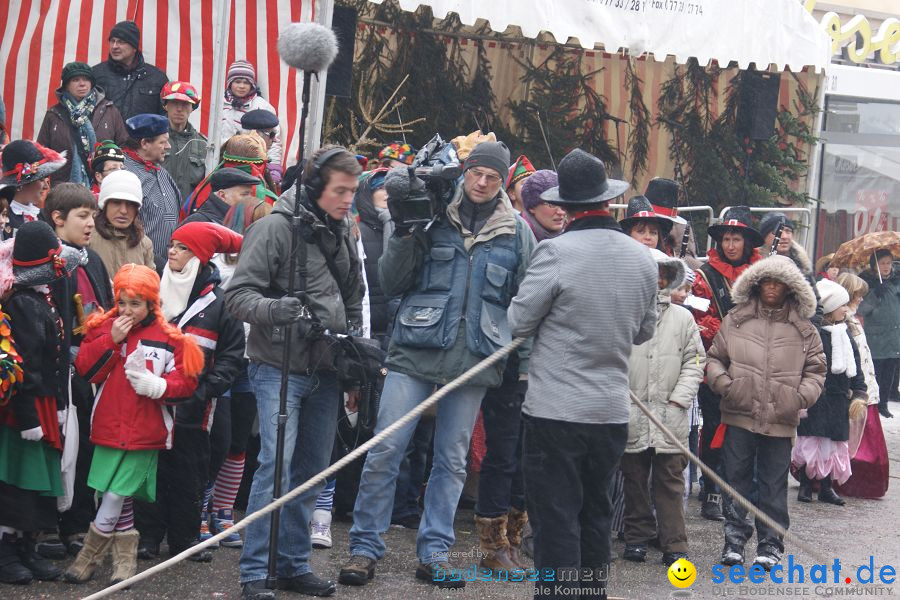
138 280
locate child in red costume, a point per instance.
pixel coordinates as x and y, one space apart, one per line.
142 365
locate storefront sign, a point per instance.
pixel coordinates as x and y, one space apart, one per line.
855 37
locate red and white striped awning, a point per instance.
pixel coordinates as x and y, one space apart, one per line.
37 37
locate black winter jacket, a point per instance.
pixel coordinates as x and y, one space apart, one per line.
220 336
133 91
211 211
45 355
829 416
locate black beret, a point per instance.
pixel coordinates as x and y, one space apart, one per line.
230 177
259 119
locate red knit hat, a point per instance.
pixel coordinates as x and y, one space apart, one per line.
206 239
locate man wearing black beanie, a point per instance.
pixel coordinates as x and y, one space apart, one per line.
132 84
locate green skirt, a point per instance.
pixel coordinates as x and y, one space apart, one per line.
124 472
28 465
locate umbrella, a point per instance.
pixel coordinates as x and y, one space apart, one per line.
857 252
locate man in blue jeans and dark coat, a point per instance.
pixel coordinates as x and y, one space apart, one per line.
456 281
257 294
588 297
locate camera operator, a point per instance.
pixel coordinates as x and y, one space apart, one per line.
456 278
257 295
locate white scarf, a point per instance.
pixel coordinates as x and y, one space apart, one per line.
175 288
28 210
842 360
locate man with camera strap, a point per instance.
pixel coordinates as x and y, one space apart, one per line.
456 277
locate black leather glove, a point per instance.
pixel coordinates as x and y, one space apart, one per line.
286 310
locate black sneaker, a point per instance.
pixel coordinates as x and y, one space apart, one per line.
635 552
430 573
712 508
307 584
147 550
732 555
668 558
767 555
407 522
360 570
49 545
256 590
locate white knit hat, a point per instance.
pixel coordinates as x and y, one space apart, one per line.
120 185
832 295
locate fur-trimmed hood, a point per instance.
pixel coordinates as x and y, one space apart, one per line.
674 267
783 269
796 253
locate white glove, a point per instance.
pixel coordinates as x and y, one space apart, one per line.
35 434
146 383
803 413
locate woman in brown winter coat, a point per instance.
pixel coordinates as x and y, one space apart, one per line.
767 364
81 118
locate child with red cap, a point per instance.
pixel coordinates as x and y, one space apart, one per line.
193 300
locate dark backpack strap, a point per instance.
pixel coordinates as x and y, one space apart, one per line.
721 289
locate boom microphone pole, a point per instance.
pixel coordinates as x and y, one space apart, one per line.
311 48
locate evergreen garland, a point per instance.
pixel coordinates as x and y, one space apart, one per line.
563 103
639 134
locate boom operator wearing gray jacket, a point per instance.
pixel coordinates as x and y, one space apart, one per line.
257 295
456 281
588 297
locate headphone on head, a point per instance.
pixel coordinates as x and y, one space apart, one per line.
314 183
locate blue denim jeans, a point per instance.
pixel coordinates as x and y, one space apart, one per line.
456 414
312 409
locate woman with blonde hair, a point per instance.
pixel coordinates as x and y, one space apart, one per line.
868 450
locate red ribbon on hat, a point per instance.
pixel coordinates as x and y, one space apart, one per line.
53 254
665 211
645 213
23 169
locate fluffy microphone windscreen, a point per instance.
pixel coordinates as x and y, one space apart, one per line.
397 183
307 46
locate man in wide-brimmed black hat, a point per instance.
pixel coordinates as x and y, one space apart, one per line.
589 295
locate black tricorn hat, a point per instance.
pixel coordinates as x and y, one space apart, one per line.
640 209
737 219
663 195
583 182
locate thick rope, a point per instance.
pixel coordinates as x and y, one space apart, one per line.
413 414
724 486
359 451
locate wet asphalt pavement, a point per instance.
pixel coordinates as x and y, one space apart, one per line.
852 534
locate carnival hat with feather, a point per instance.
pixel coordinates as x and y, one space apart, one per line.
25 161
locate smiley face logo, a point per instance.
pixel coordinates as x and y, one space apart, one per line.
682 573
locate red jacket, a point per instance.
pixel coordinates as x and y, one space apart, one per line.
710 321
121 418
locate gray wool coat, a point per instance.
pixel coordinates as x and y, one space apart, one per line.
589 295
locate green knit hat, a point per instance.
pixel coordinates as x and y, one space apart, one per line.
74 69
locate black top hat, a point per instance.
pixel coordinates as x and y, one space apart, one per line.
38 257
583 182
736 219
25 161
663 195
640 209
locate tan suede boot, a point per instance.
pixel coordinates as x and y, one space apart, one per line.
515 523
495 547
89 558
124 555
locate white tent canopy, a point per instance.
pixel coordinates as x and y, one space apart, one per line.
779 32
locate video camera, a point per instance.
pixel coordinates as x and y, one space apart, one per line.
419 193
